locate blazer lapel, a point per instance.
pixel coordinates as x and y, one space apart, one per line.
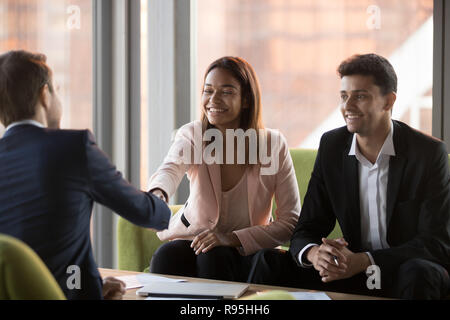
396 167
351 185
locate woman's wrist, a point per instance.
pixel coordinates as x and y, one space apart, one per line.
233 240
160 194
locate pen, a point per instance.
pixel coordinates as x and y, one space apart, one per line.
336 260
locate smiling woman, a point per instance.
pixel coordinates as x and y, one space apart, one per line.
231 83
224 223
221 100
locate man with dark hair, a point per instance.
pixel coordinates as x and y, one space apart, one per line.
387 185
50 178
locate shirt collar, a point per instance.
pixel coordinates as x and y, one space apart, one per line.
29 121
387 148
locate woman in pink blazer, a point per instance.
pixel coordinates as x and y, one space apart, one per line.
235 168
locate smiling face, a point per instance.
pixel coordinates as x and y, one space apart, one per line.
222 100
366 111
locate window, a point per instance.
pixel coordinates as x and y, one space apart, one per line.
295 47
62 30
144 93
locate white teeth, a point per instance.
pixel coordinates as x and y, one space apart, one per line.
352 116
216 110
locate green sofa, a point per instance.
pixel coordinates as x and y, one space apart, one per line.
136 245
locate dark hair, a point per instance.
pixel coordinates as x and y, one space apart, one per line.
371 65
243 72
22 76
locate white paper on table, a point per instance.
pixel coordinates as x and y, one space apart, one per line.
310 295
139 280
176 298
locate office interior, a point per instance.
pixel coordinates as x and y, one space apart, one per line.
132 70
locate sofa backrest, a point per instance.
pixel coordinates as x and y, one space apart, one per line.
303 160
136 245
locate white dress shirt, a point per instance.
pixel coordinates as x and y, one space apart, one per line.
373 181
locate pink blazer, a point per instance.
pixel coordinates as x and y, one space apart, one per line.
202 208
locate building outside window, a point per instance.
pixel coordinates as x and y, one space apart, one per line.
62 30
295 47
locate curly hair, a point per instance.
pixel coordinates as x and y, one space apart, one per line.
371 65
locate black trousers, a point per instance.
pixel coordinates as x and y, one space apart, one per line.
415 279
220 263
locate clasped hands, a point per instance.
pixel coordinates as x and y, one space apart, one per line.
334 261
209 239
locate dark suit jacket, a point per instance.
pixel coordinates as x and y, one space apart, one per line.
48 182
418 199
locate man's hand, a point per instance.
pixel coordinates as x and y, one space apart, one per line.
323 257
355 262
209 239
113 289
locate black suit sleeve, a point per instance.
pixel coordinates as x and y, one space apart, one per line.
432 241
316 219
109 188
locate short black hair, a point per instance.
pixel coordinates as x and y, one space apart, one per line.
371 65
22 76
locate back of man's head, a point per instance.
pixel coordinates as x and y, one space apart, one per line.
371 65
22 76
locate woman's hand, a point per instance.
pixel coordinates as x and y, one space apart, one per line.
158 193
209 239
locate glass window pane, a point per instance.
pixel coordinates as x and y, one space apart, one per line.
62 30
144 92
295 47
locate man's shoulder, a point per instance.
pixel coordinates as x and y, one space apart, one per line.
414 139
67 132
336 138
69 136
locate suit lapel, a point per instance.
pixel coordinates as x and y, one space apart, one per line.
396 168
351 184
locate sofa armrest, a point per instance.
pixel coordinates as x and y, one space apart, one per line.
136 245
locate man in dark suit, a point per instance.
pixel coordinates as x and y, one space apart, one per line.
387 185
49 179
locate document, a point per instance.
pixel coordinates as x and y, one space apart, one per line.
140 280
193 290
310 295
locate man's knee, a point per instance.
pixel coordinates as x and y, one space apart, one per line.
422 279
420 270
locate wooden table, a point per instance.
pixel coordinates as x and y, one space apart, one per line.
253 288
